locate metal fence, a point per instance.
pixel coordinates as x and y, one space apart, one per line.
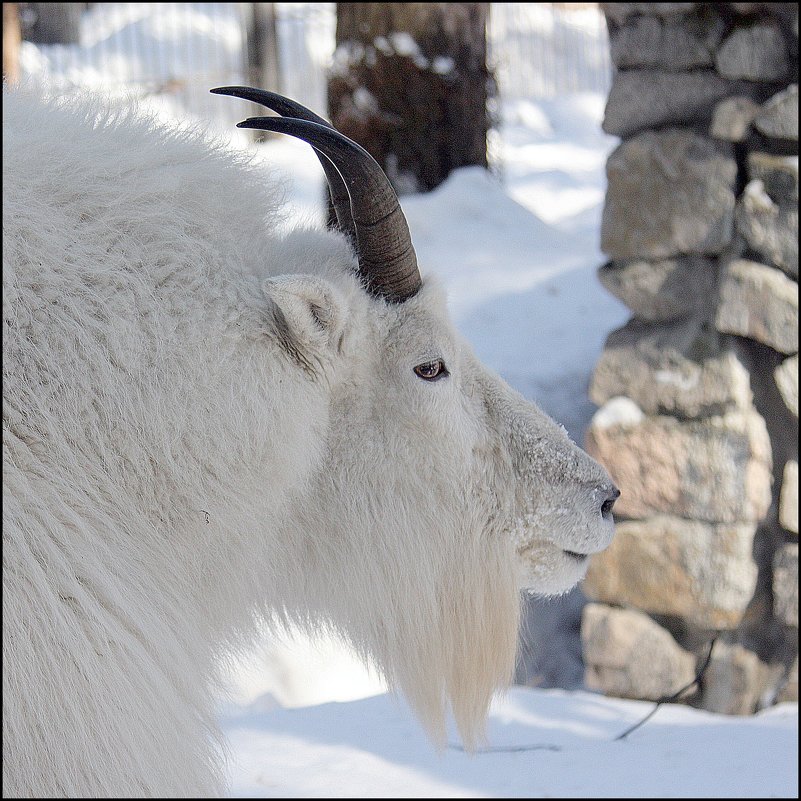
542 50
175 52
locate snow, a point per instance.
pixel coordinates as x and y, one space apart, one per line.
404 45
619 411
542 743
443 65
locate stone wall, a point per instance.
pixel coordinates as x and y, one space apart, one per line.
698 392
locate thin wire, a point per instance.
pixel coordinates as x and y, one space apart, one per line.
675 695
506 749
513 749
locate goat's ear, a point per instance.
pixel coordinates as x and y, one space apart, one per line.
308 312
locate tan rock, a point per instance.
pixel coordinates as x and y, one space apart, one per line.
669 192
786 376
732 118
735 680
754 53
628 655
779 116
759 302
667 289
665 565
779 175
717 469
785 584
767 211
679 368
788 500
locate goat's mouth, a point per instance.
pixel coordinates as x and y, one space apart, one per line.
548 569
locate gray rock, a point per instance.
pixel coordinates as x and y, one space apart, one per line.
735 680
701 572
748 8
786 375
732 118
663 290
788 500
754 53
717 469
783 11
785 584
669 192
767 212
759 302
779 176
627 654
670 44
620 12
779 116
789 689
769 228
678 369
641 99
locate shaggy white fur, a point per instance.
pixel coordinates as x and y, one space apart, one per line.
206 423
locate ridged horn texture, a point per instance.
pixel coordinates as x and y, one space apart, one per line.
387 261
289 108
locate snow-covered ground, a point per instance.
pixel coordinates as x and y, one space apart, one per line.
542 744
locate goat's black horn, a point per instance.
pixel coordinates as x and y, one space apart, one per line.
387 260
289 108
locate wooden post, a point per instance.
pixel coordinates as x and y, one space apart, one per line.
264 70
12 39
56 23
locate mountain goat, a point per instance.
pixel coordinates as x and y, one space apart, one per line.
208 422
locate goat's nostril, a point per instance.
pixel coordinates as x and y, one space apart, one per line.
611 496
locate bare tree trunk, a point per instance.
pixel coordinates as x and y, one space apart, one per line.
12 39
264 69
262 45
55 23
410 84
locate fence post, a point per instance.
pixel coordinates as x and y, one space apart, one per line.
262 45
12 39
56 23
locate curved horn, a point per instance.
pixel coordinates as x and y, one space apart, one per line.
289 108
387 260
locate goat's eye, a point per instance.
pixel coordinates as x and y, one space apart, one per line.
431 371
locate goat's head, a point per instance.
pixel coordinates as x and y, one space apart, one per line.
442 490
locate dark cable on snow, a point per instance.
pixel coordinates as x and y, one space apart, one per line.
676 695
506 749
513 749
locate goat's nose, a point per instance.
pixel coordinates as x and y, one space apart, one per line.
609 495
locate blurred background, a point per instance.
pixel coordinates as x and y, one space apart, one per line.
609 193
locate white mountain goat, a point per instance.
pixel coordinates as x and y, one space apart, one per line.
207 423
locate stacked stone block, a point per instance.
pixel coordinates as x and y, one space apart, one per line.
698 392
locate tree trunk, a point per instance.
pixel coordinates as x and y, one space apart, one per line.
410 84
12 39
262 46
55 23
264 68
